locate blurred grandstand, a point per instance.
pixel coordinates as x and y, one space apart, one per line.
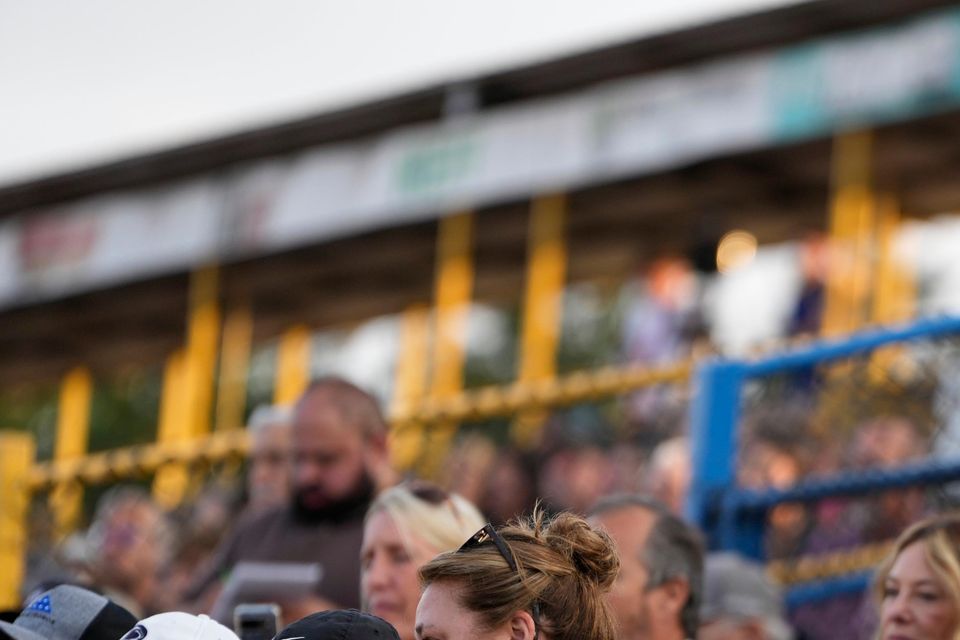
607 217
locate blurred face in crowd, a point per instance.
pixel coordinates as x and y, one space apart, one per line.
642 612
440 616
731 629
916 605
329 471
126 546
575 478
885 442
389 585
766 465
269 479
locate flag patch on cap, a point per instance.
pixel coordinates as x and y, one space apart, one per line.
41 604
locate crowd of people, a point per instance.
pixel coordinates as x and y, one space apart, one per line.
348 549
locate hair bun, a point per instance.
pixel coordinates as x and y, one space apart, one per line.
590 550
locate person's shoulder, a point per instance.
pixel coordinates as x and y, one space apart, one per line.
255 523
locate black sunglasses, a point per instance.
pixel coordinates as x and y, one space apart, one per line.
488 532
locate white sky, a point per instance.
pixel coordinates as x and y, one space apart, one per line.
86 82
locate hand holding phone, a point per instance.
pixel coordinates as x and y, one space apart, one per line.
256 621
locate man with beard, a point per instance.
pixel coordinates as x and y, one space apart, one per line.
657 594
338 440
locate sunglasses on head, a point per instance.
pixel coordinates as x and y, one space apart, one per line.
489 533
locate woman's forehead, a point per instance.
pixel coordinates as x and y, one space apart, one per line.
911 564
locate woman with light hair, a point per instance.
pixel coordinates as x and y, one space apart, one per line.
405 527
918 585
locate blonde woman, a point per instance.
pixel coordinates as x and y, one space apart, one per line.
538 580
918 585
405 527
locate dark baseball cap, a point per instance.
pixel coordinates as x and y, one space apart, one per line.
348 624
67 612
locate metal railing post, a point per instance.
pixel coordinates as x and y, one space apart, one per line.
293 365
73 429
17 453
453 290
713 418
542 307
411 384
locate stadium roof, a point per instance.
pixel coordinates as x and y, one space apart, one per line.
777 192
740 34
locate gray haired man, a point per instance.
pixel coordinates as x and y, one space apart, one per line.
657 594
740 602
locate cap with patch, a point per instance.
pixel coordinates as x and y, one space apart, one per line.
177 625
735 587
67 612
349 624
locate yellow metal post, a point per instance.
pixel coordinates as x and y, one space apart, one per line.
453 289
16 458
894 296
188 384
293 365
234 362
203 331
171 481
542 306
73 429
411 383
851 235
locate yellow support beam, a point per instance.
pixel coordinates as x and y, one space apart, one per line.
542 306
127 463
453 290
234 363
894 297
187 401
851 235
73 431
203 331
17 453
476 404
574 388
293 365
172 479
411 383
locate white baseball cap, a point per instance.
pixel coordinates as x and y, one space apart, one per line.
177 625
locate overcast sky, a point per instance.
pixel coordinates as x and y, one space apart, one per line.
91 81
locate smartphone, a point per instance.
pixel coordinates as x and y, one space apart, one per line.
256 621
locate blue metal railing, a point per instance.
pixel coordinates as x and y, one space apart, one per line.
735 519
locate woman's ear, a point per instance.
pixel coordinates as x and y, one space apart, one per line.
521 626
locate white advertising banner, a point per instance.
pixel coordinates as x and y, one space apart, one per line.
629 127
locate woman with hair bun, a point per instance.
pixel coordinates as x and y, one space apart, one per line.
535 580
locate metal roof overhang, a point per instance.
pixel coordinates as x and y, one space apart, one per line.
776 192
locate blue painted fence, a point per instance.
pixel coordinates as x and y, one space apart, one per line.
735 518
